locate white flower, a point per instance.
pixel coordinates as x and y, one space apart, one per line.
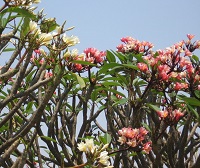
82 147
103 158
45 38
74 52
105 146
32 26
70 41
36 1
122 140
90 145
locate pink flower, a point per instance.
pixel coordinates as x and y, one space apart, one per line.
188 53
120 48
48 75
147 147
132 142
127 39
78 67
177 114
190 36
142 66
143 131
37 51
162 114
177 86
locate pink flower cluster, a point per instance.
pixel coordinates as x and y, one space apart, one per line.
170 116
91 55
132 45
172 67
134 138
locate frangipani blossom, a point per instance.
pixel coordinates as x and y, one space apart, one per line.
32 26
45 38
70 41
103 158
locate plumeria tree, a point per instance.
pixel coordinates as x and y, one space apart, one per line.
133 107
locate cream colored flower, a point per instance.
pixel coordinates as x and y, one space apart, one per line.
74 52
32 26
103 158
70 41
36 1
45 38
105 147
90 145
122 140
82 147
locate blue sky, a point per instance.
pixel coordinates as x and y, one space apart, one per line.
101 23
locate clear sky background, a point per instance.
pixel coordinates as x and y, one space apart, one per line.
101 23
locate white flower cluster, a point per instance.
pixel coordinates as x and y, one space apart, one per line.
23 2
45 38
95 152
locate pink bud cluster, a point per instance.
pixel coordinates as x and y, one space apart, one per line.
170 116
91 55
134 138
132 45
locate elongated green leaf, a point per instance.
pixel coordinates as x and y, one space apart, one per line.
196 58
193 111
110 56
153 107
111 65
48 138
20 11
8 49
190 100
121 102
111 84
83 62
80 81
121 57
146 126
130 66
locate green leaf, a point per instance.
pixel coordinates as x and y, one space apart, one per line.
146 126
108 66
102 108
30 76
111 84
139 58
193 111
110 56
196 58
106 139
131 66
4 128
83 62
121 57
80 81
8 49
153 107
48 138
190 100
133 154
21 11
29 108
121 102
24 27
48 25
